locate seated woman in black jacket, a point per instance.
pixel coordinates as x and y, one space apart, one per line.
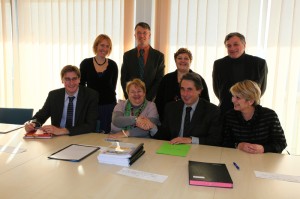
249 126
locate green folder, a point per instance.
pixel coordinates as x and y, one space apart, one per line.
174 149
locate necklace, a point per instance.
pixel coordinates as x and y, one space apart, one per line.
98 63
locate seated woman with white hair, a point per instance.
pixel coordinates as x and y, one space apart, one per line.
249 126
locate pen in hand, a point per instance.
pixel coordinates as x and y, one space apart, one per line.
236 166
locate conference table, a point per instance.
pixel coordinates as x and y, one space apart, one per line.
30 174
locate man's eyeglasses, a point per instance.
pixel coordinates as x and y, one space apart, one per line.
67 79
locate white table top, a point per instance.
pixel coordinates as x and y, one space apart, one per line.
32 175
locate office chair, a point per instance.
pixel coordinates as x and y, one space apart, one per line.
15 115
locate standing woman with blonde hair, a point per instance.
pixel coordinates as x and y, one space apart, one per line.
101 74
249 126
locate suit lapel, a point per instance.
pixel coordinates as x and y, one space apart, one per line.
60 101
177 116
150 59
197 115
79 103
150 62
136 59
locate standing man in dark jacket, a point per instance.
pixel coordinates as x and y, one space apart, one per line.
143 62
236 67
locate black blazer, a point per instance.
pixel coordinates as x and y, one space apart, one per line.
153 72
228 71
205 124
86 112
169 90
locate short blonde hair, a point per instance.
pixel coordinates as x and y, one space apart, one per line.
137 82
99 39
248 90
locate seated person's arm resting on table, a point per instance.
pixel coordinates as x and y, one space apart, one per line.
250 148
177 140
119 120
46 128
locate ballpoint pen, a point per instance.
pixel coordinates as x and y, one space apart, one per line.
236 166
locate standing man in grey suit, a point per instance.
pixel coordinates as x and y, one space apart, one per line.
73 109
143 62
190 120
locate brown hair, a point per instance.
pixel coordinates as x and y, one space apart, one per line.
69 68
181 51
195 78
143 25
239 35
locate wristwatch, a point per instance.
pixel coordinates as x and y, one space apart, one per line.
236 145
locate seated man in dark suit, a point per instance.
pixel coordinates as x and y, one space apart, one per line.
73 109
143 62
200 125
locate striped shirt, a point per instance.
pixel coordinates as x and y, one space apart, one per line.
263 128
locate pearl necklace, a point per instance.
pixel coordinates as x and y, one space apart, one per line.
98 63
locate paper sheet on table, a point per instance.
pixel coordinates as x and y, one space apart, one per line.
275 176
12 150
7 128
143 175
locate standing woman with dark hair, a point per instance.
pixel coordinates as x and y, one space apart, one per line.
169 89
101 74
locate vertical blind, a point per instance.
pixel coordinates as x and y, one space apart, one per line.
40 37
271 29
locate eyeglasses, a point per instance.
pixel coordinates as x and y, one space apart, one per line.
142 33
67 79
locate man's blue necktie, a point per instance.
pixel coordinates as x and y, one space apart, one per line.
141 63
70 110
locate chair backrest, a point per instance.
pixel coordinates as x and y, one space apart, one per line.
15 115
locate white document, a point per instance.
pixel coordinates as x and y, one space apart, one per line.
6 128
74 152
143 175
274 176
12 150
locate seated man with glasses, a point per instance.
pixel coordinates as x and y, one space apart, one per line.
73 109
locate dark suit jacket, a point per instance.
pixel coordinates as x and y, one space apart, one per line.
169 90
86 112
153 71
228 71
205 123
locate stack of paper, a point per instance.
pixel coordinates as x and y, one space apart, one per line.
120 153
